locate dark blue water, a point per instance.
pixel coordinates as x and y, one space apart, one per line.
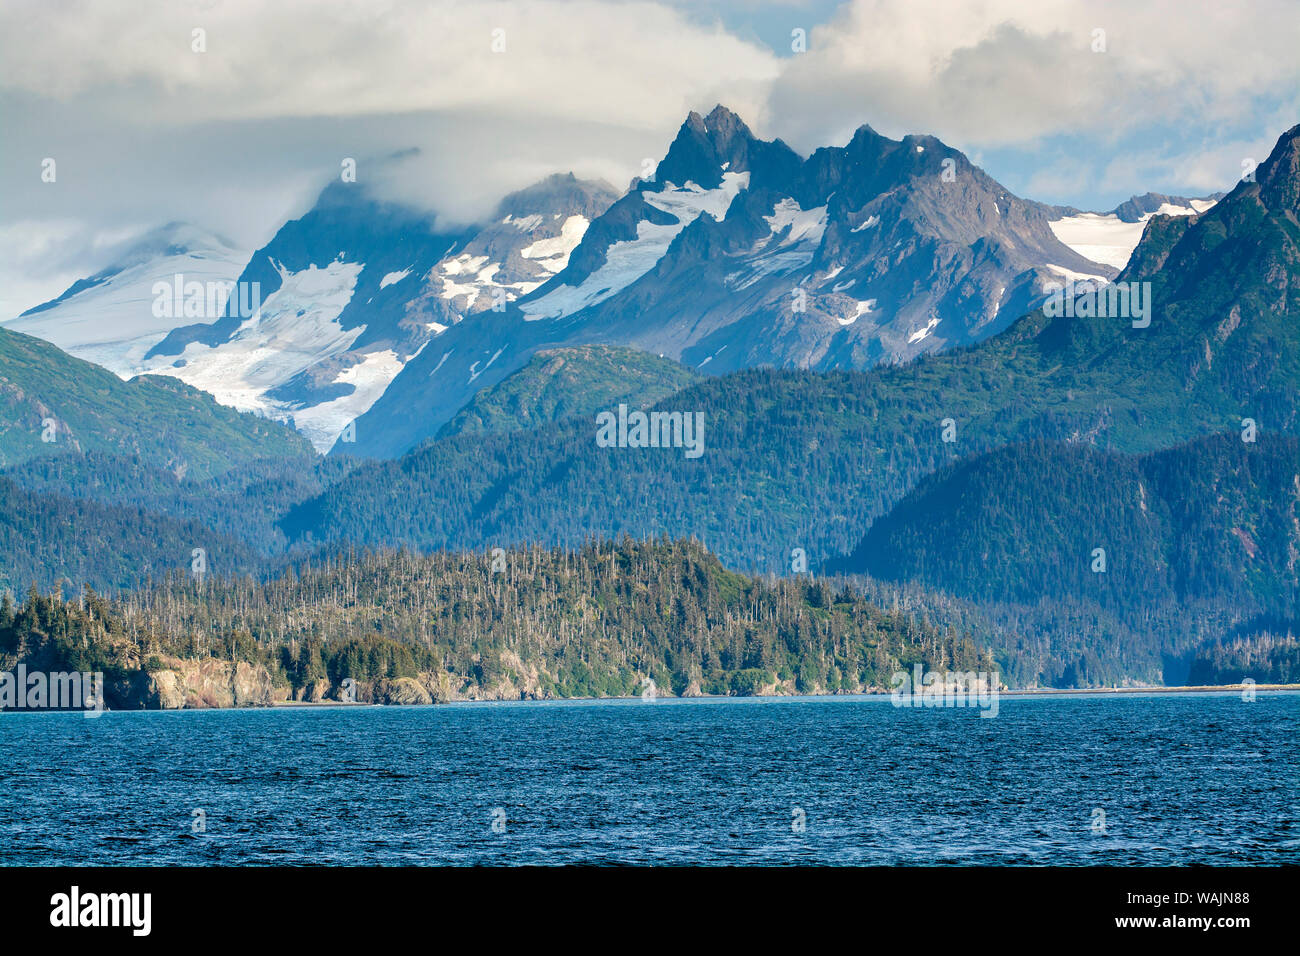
1204 778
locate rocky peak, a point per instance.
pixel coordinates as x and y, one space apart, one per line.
706 147
1279 175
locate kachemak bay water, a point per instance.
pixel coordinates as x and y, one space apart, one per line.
1181 778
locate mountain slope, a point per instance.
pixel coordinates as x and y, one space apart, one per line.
45 538
358 287
567 383
798 460
110 318
83 407
1215 520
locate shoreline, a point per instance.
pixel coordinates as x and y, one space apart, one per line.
1022 692
878 695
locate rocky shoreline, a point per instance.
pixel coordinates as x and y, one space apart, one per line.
218 684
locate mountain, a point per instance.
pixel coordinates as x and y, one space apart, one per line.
795 459
1109 238
741 253
52 404
109 318
350 293
557 384
367 321
1216 520
242 504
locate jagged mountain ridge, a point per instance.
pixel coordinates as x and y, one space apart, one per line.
740 253
736 253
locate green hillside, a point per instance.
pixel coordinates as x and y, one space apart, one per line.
1217 520
47 394
45 538
557 384
547 623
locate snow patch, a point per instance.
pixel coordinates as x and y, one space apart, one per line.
526 224
295 329
392 277
475 371
112 324
804 225
322 424
920 334
1107 238
444 358
628 260
864 307
1076 276
553 254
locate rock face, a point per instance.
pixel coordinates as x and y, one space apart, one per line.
203 684
403 690
315 692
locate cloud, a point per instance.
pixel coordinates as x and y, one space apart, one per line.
243 136
999 72
634 63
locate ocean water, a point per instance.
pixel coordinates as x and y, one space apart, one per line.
1181 779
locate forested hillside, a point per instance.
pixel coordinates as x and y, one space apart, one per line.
115 521
1263 658
1215 520
48 537
544 623
567 383
52 404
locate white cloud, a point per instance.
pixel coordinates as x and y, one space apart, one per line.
633 63
997 72
242 137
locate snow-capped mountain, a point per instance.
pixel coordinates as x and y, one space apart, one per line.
1109 238
736 252
739 252
353 291
114 317
529 240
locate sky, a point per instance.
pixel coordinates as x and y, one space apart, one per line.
233 114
